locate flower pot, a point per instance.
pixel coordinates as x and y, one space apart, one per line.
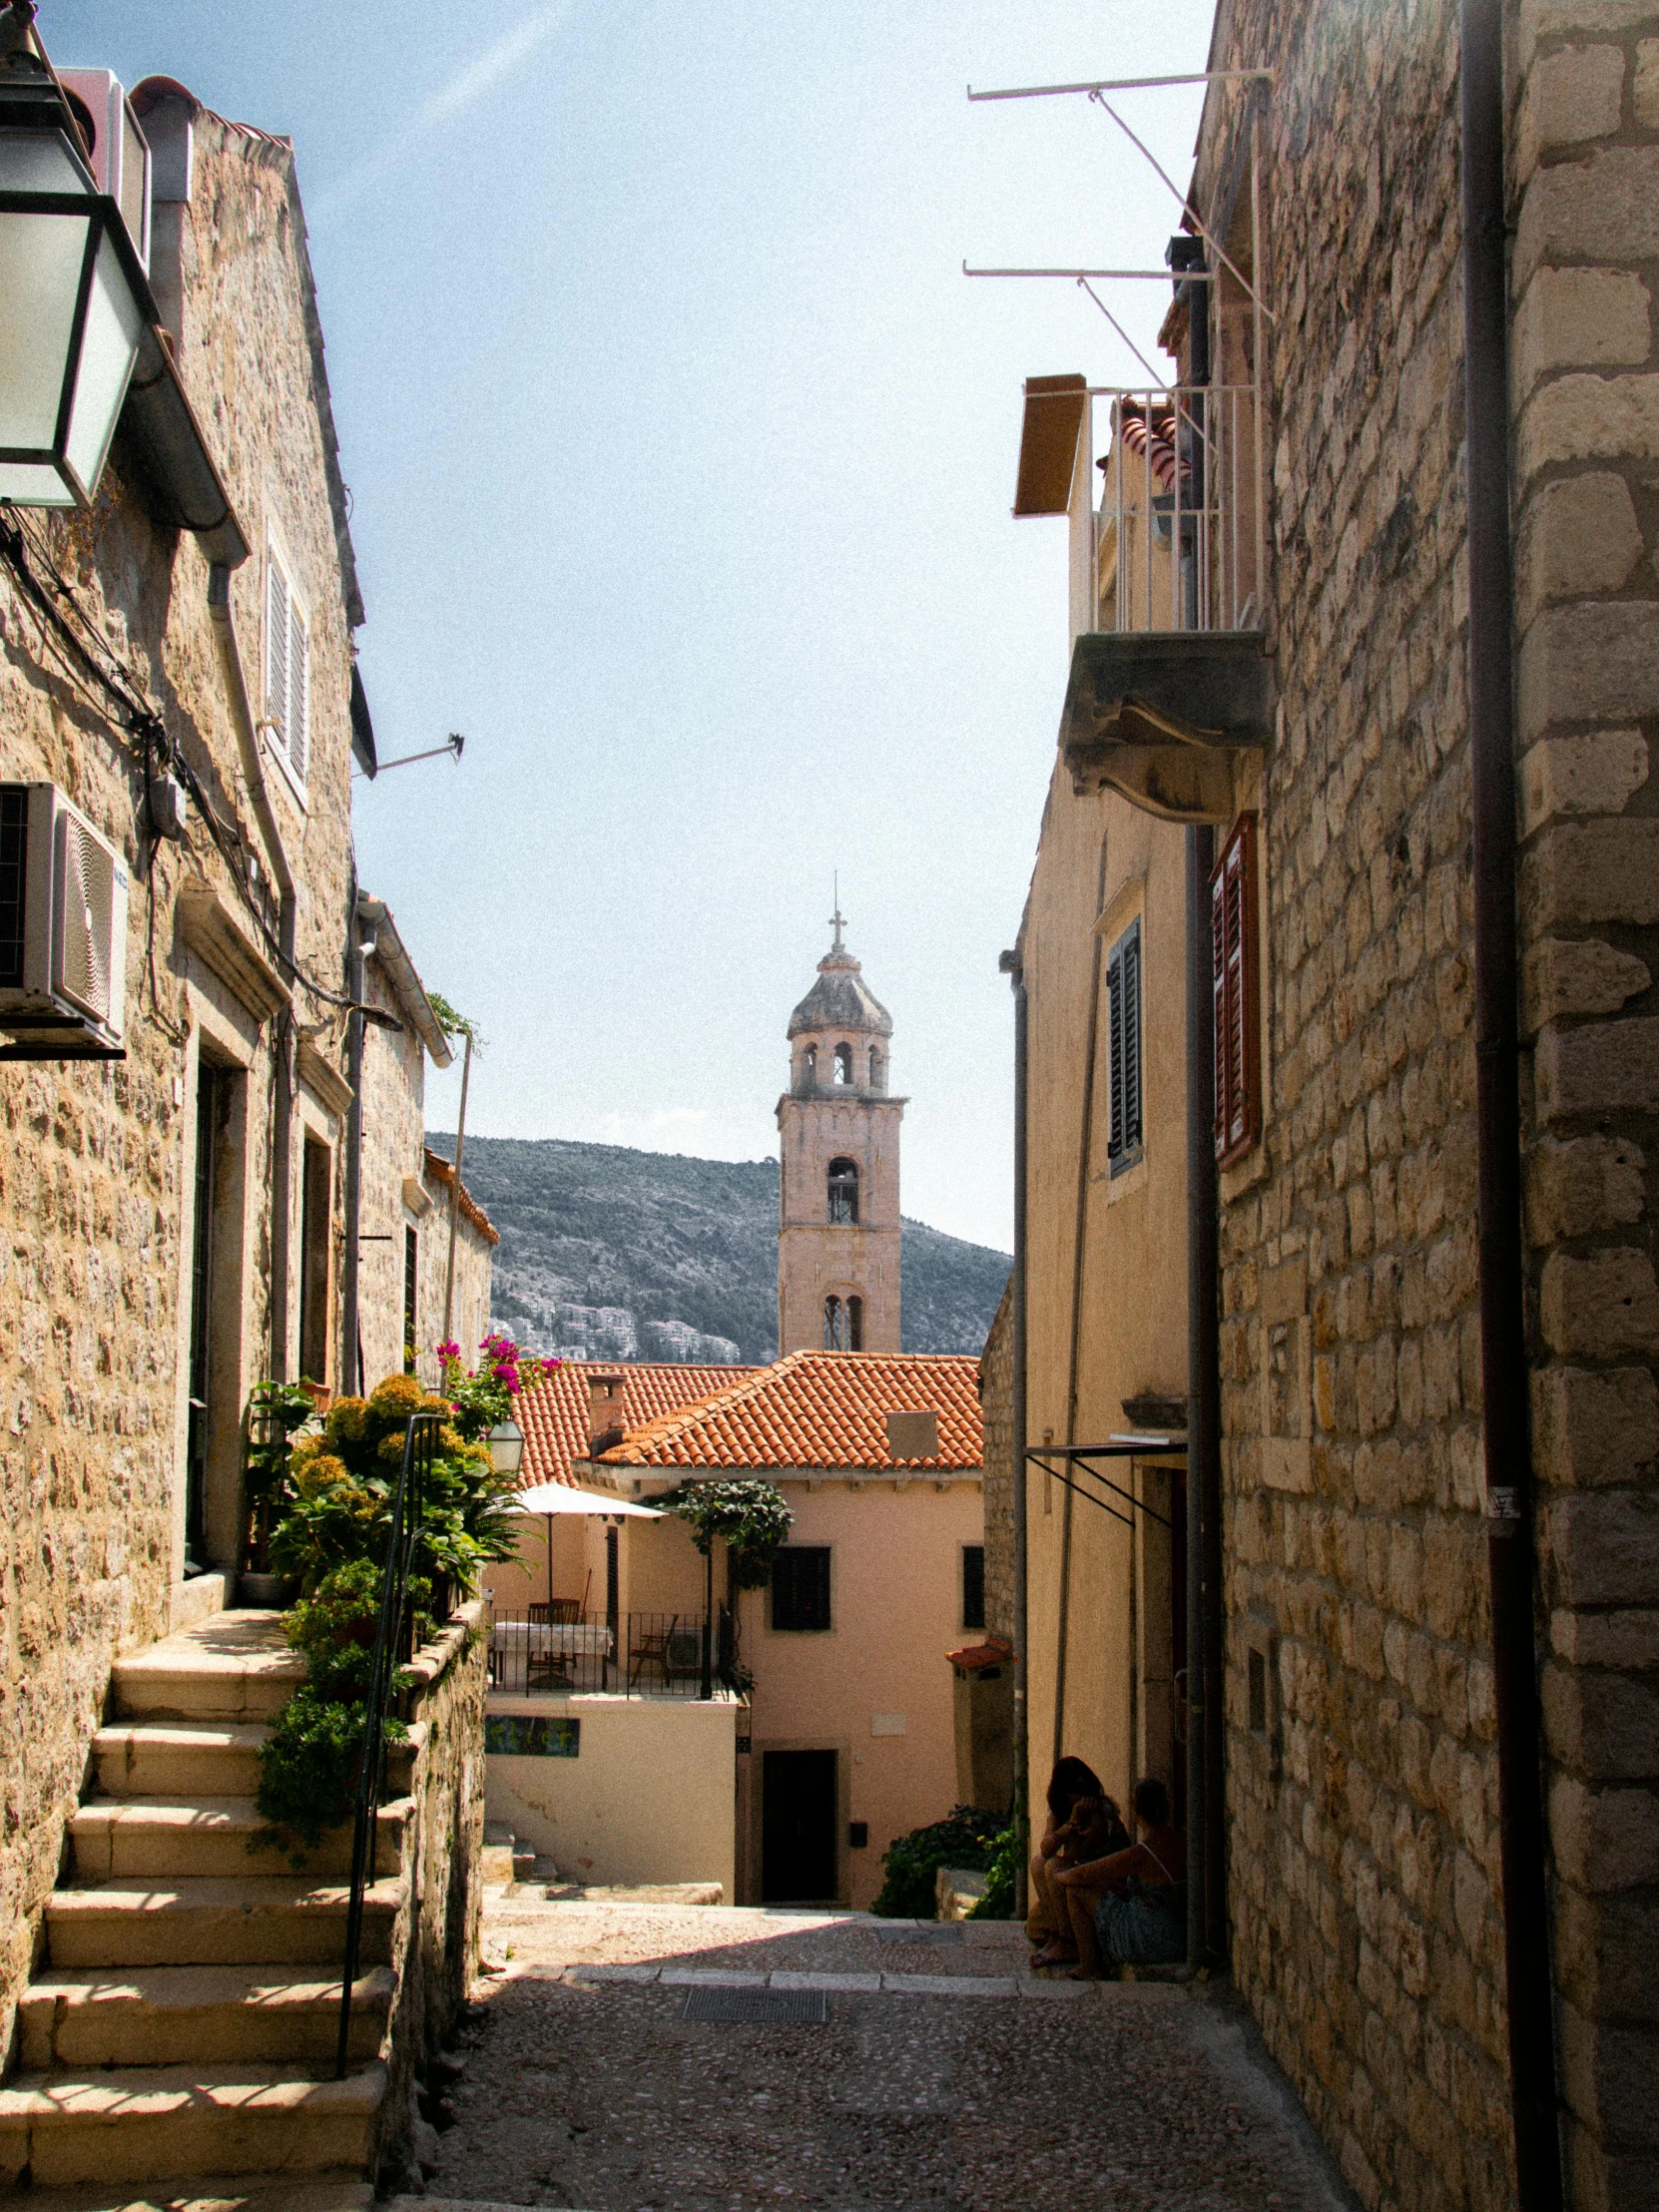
269 1592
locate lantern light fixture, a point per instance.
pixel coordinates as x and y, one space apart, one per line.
506 1442
77 301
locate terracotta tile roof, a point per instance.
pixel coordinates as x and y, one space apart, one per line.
439 1169
817 1410
554 1414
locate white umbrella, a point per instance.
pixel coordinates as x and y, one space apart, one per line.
548 1498
564 1497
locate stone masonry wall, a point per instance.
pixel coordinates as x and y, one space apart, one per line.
1585 390
1364 1807
94 1158
996 1405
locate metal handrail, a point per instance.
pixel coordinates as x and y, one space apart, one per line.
393 1646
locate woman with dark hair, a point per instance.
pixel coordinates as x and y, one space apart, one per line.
1072 1784
1130 1910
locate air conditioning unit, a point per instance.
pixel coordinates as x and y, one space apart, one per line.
63 931
120 153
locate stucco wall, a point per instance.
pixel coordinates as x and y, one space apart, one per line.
895 1600
650 1795
96 1162
814 1259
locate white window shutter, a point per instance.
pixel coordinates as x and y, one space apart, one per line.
277 649
299 692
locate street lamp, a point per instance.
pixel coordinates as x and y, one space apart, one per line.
506 1442
73 300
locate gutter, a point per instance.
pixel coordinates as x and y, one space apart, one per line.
1504 1375
1011 965
223 615
160 430
392 956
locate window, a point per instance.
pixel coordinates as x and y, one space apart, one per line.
800 1588
412 1296
843 1192
286 671
844 1063
1124 1143
1233 930
855 1325
315 1244
877 1068
808 1066
973 1585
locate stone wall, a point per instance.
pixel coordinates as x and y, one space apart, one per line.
996 1405
1363 1805
435 1947
1585 390
96 1160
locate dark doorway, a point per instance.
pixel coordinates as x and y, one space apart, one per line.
316 1225
211 1088
798 1828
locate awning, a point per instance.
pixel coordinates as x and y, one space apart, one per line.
564 1497
1053 423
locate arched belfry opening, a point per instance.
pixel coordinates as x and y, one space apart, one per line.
838 1230
843 1193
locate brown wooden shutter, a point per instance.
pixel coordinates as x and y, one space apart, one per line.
1234 930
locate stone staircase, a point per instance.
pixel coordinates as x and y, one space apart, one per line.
183 2019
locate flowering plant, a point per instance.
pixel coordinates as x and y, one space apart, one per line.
482 1396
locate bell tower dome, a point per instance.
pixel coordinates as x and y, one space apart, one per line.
838 1126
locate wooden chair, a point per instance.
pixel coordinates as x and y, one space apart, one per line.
651 1649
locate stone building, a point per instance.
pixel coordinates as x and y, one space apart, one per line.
179 713
838 1131
1330 720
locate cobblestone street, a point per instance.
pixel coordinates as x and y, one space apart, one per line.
945 2076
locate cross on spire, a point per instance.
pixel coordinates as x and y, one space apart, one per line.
837 919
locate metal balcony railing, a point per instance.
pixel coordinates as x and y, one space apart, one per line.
1176 541
542 1650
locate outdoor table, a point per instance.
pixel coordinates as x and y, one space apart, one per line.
570 1639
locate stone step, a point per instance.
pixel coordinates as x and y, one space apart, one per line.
328 2191
230 1667
257 1920
183 1759
138 2121
171 2016
204 1836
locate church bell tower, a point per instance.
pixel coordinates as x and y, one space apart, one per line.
837 1235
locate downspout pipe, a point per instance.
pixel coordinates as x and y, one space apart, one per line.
351 1356
1021 1671
1206 1775
1505 1377
223 616
1206 1887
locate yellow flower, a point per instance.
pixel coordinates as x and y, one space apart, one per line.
345 1420
321 1471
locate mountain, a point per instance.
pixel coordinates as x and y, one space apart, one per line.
610 1254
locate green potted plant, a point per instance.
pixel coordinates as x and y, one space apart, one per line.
276 1412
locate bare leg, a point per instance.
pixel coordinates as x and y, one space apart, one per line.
1046 1921
1080 1903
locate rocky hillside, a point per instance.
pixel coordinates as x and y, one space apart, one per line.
607 1254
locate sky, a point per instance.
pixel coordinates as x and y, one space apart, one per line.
680 455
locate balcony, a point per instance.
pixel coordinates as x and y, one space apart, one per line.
634 1655
1170 683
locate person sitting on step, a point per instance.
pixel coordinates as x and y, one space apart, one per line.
1072 1780
1130 1908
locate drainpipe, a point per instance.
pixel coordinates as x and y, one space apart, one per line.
1206 1888
281 1130
352 1362
1503 1364
1022 1760
1206 1772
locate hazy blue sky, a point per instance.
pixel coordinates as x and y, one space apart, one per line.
682 456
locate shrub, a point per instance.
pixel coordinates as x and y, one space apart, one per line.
1001 1875
966 1839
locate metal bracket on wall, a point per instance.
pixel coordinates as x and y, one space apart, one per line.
1081 1455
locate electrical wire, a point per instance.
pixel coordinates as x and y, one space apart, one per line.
155 750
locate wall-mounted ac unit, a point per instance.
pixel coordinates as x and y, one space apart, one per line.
63 931
120 153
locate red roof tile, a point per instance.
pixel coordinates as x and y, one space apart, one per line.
554 1414
816 1410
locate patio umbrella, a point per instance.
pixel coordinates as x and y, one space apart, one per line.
548 1498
